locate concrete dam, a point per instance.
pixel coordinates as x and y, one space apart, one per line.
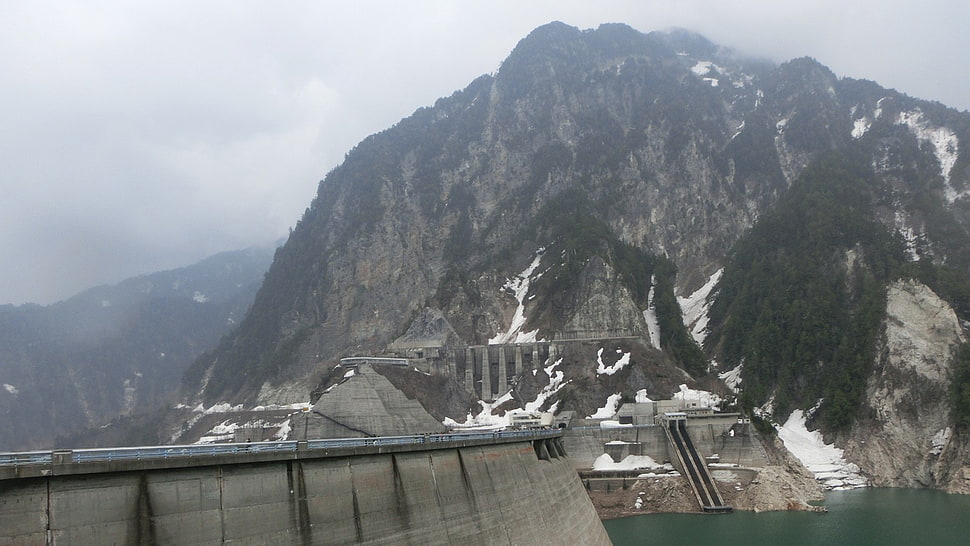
514 487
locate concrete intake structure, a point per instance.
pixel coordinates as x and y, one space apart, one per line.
511 491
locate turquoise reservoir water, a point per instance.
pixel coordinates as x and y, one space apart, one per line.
862 516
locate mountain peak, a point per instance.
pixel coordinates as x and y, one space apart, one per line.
687 41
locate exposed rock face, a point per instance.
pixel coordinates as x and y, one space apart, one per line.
611 128
429 329
902 444
602 300
784 484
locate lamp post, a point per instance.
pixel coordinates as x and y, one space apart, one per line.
306 421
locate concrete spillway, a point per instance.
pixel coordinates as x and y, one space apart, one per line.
694 467
506 491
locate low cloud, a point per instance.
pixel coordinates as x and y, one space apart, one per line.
139 138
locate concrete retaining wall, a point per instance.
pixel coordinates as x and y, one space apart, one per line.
491 494
743 448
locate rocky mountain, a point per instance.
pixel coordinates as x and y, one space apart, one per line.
718 213
115 350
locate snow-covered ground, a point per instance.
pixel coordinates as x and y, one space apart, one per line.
650 316
823 460
703 68
630 462
945 144
519 286
860 127
484 419
612 423
732 378
712 74
909 236
694 308
557 380
609 409
701 399
603 369
225 430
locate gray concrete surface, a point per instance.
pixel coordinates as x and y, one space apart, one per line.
477 494
744 448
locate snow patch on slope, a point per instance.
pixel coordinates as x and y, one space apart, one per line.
732 378
860 127
519 286
738 131
703 68
694 308
907 233
945 146
602 368
226 430
609 409
556 382
221 407
486 418
823 460
697 398
711 73
650 316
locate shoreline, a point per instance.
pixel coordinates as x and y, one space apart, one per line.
785 487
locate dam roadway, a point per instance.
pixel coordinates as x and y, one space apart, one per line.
509 487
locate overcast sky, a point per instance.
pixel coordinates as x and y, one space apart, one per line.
142 136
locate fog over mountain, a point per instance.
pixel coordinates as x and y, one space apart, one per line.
144 137
116 351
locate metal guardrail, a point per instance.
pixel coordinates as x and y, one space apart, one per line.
32 458
26 457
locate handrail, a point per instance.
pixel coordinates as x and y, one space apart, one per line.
25 457
33 458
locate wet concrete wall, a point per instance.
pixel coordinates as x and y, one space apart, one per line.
486 494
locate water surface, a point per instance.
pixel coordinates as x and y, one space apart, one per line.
861 516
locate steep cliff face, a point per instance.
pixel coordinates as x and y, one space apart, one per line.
582 141
601 299
902 442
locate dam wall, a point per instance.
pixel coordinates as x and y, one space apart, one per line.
733 443
517 492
